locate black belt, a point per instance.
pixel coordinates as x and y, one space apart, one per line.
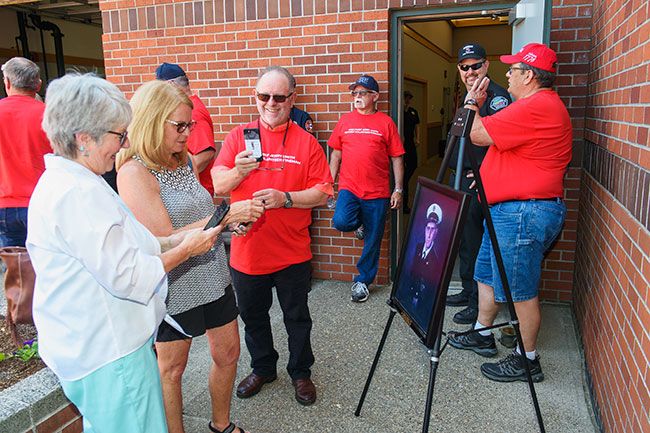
555 199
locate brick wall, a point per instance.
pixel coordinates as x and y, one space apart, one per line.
63 420
326 44
612 294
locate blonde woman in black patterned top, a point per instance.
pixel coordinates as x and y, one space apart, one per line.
157 182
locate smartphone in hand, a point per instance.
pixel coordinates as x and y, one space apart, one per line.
253 143
218 215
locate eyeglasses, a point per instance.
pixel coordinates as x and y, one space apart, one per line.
362 92
182 126
514 68
473 67
123 136
265 97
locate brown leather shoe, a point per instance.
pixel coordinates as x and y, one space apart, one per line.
252 384
305 391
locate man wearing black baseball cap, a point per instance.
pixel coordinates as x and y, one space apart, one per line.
201 141
371 144
472 67
529 149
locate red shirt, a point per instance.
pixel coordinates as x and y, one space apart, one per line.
367 142
22 146
532 149
202 138
280 238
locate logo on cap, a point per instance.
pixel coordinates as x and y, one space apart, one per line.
529 58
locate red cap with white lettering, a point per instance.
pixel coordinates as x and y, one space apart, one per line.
537 55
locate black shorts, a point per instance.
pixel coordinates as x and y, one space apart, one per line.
195 321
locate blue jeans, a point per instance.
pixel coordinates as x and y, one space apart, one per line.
525 230
352 212
13 226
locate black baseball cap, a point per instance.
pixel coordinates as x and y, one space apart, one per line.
471 51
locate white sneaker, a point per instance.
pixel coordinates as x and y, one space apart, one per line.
360 292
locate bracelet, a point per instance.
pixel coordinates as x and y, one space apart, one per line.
399 190
471 101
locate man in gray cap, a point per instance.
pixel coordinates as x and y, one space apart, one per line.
365 143
473 67
201 142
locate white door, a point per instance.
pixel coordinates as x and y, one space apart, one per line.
528 20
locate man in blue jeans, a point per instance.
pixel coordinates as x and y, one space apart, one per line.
22 146
529 149
365 144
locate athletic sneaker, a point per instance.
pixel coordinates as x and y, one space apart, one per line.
360 292
481 344
359 233
510 369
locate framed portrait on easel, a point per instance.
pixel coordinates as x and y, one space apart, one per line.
427 259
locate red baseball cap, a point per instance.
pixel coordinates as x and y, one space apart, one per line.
537 55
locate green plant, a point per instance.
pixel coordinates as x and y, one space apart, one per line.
25 353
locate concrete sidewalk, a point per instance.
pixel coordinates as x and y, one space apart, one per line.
345 338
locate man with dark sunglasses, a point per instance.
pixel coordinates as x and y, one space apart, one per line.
365 143
290 179
473 67
200 143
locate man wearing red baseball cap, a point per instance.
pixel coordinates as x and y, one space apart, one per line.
529 151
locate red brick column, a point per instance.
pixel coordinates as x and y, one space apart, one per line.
612 278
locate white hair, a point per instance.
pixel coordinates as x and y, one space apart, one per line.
82 103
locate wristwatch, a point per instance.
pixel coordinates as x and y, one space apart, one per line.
471 101
399 190
288 202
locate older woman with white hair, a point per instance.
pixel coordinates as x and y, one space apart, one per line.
100 274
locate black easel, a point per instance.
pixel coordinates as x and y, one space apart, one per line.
460 132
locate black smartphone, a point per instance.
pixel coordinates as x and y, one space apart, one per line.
253 143
218 215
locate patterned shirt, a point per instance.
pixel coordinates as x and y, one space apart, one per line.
201 279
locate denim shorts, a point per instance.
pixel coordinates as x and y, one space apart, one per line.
525 230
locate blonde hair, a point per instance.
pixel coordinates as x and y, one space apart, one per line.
152 104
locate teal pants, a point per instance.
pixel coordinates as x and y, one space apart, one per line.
124 396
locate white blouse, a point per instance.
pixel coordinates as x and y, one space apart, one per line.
100 285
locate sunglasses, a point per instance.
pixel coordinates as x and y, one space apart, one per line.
182 126
361 92
265 97
122 135
473 67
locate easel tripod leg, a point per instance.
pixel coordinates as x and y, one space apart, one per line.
375 361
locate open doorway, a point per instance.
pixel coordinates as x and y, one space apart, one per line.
429 52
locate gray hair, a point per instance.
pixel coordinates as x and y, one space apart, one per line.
181 81
544 78
82 103
280 70
22 73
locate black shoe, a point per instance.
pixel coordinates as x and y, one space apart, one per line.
457 300
466 316
483 345
511 368
508 337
